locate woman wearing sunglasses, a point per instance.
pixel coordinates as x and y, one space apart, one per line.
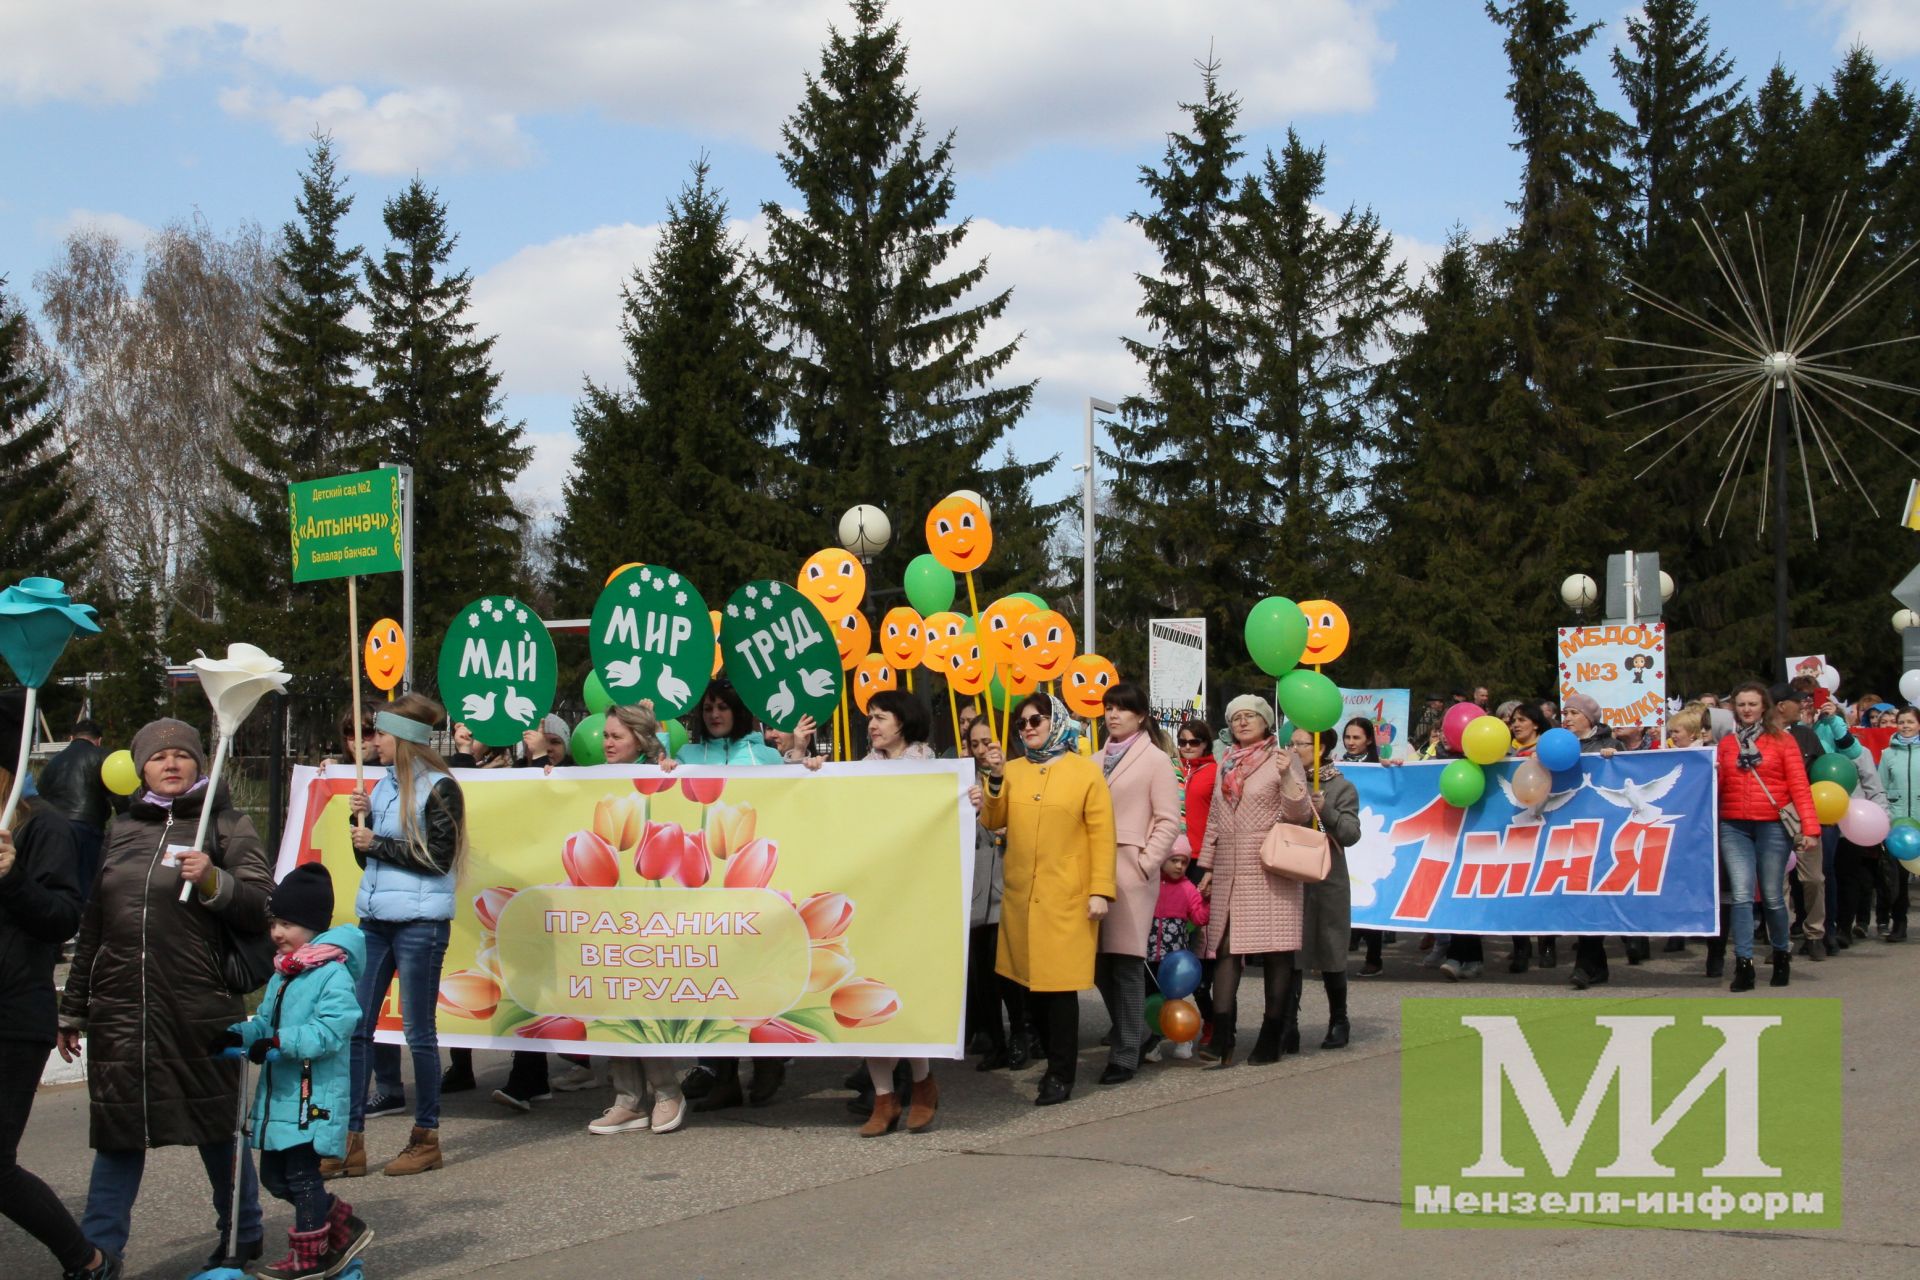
1058 816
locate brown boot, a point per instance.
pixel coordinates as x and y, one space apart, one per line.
353 1165
421 1153
925 1101
886 1114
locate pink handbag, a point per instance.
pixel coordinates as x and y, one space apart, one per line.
1297 853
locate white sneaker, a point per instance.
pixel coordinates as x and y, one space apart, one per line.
575 1079
1453 969
1472 969
1153 1054
669 1113
1434 958
618 1119
1184 1049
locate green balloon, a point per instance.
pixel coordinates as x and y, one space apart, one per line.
1154 1002
1030 598
1311 700
1276 635
589 744
1462 783
598 699
929 585
1906 822
1834 767
677 737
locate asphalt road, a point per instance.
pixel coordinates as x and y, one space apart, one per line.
1257 1170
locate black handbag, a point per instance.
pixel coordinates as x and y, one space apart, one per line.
246 959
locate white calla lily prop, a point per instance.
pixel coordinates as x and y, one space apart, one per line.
234 685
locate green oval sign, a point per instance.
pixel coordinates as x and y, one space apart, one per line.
780 654
651 638
497 669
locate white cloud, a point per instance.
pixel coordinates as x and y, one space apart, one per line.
130 232
107 51
1890 28
400 132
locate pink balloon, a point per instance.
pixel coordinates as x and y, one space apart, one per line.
1459 716
1866 823
1531 783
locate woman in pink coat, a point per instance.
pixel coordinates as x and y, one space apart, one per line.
1146 821
1254 912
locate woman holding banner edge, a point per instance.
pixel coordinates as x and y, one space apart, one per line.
1762 777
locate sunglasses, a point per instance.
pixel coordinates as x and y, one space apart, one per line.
1191 742
1033 722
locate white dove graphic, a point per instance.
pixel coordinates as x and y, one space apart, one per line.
1638 797
816 682
673 688
477 706
780 705
1531 814
519 707
623 674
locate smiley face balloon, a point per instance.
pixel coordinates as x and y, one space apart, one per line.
1044 644
870 677
834 580
1327 632
1088 678
386 654
958 534
1018 679
853 636
997 628
965 670
903 639
942 626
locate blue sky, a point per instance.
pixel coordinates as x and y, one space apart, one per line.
558 132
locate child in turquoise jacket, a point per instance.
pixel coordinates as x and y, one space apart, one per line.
300 1038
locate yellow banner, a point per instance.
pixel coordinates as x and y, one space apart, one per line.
618 910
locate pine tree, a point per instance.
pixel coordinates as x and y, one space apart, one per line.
132 690
886 388
43 517
1189 490
436 397
683 468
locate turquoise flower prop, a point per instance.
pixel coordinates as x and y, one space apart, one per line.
36 620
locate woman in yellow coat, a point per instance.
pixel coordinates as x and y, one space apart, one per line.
1058 817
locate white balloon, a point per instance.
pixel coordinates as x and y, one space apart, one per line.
978 501
1829 678
1910 688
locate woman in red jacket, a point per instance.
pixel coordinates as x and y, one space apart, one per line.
1194 741
1761 775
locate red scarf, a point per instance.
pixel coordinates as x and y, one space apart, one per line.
291 964
1241 764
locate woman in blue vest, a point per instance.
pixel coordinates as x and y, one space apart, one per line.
408 857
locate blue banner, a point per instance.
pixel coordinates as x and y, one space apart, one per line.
1626 845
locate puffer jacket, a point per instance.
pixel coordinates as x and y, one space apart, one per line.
39 909
302 1095
394 886
1900 771
1743 797
145 985
71 783
752 749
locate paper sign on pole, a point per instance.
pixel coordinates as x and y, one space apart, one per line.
1391 713
1177 668
1621 667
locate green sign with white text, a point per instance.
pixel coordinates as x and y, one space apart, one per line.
345 526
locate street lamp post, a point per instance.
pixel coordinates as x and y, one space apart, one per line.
1086 524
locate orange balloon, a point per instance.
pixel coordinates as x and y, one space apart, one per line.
853 636
903 638
1044 644
997 628
870 677
1327 632
385 654
1088 678
1179 1021
834 580
965 669
958 534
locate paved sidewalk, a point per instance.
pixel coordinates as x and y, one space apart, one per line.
1269 1170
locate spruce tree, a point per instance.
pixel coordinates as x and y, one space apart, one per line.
1189 490
682 467
437 407
43 516
888 393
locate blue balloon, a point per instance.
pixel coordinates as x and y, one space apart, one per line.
1559 750
1179 974
1903 842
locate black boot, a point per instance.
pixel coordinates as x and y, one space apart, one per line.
1338 1030
1217 1053
1637 949
725 1092
1899 931
1290 1015
1266 1048
1742 975
1549 953
699 1081
1717 957
1522 955
768 1075
1782 968
1675 946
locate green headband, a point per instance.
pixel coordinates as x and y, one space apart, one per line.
404 727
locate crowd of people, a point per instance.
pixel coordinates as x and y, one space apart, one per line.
1092 866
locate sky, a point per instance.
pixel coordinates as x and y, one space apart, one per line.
558 132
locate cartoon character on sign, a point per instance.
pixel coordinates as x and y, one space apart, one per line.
902 639
1088 678
958 534
853 636
1640 664
966 670
1327 632
870 677
998 627
834 581
1044 644
942 626
1018 679
386 655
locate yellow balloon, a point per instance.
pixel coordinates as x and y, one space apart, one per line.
118 773
1830 801
1485 740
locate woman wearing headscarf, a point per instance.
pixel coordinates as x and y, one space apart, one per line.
1253 911
1328 905
1146 821
1058 816
146 989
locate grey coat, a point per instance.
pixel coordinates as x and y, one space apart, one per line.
1329 904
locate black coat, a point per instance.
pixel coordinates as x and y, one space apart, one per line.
39 910
72 784
145 984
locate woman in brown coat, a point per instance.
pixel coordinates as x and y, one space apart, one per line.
1146 821
1254 912
146 990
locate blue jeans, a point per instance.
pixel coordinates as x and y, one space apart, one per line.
1747 849
414 949
116 1182
293 1175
